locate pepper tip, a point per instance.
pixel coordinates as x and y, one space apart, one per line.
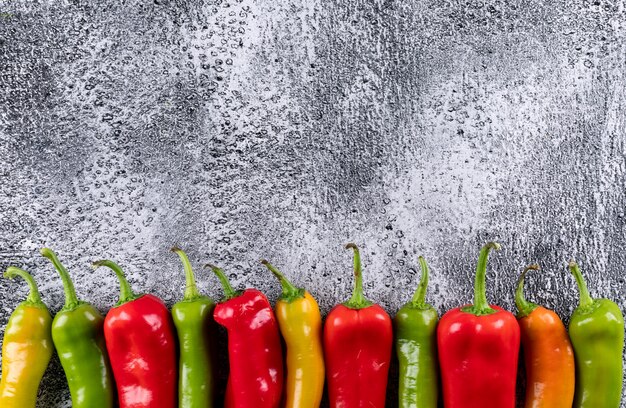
264 262
351 246
175 248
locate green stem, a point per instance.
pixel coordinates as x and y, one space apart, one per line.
126 292
585 298
71 300
290 292
419 297
191 289
33 293
481 306
524 306
357 301
229 292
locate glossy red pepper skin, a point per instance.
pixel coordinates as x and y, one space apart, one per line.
140 338
254 350
480 356
142 348
478 351
357 353
358 340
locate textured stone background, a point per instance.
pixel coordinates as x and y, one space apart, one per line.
284 129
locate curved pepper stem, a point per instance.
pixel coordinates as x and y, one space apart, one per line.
290 292
419 297
357 301
191 289
524 306
229 292
481 306
585 299
126 292
71 300
33 293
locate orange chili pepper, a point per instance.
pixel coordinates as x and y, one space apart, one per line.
548 354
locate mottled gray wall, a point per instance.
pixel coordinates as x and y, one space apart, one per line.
244 129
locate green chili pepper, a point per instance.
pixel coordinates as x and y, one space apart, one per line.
597 333
77 333
193 318
416 347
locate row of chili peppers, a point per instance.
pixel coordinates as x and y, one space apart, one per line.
158 359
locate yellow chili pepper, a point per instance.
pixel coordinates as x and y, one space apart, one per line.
26 347
300 324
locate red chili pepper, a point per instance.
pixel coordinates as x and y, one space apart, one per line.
357 347
478 350
140 339
255 354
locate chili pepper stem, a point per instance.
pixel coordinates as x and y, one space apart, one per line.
481 306
71 300
191 288
290 292
357 301
33 293
585 299
126 292
229 292
419 297
524 306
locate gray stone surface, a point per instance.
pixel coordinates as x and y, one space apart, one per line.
243 130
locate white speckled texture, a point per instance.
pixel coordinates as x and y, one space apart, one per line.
245 129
